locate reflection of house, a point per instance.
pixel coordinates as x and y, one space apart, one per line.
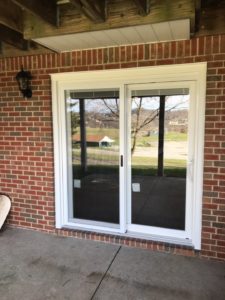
95 140
179 125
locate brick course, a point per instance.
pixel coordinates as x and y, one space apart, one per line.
26 139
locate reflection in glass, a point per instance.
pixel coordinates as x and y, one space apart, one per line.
159 157
93 135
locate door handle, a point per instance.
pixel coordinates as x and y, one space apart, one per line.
121 160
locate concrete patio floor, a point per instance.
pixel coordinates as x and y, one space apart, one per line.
38 266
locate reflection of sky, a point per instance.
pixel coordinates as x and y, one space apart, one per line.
148 103
178 102
172 102
94 105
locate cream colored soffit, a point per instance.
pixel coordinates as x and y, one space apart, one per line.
150 33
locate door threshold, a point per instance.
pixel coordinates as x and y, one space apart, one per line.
161 239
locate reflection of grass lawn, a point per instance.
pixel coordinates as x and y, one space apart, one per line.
102 161
103 156
169 137
151 161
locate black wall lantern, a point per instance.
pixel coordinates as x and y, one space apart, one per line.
23 78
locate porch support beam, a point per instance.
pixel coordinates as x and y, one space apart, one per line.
161 136
46 10
93 10
1 48
143 7
11 15
13 38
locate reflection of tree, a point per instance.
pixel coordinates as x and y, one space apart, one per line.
75 118
112 107
146 113
140 119
75 121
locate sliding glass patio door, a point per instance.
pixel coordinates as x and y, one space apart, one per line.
128 149
158 153
151 164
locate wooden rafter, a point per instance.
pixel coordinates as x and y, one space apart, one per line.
13 38
197 16
143 6
93 10
46 10
121 14
212 21
11 15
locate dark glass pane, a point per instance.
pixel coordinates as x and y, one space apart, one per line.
159 158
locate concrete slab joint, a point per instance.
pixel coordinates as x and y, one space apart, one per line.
37 266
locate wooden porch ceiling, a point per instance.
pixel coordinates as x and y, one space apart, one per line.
21 21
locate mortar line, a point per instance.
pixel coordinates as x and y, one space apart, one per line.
103 277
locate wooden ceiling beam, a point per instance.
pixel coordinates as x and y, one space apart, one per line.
120 13
13 38
1 48
143 7
197 16
212 19
93 10
44 9
11 15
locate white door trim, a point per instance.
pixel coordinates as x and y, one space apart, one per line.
120 78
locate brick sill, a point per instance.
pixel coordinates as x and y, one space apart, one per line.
130 241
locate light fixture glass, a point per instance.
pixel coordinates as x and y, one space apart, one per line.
23 78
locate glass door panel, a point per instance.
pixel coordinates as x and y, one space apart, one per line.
93 154
159 133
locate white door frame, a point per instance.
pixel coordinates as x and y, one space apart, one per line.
194 75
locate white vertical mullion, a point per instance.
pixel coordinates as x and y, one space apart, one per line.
128 153
122 145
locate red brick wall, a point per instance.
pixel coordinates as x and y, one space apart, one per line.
26 144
